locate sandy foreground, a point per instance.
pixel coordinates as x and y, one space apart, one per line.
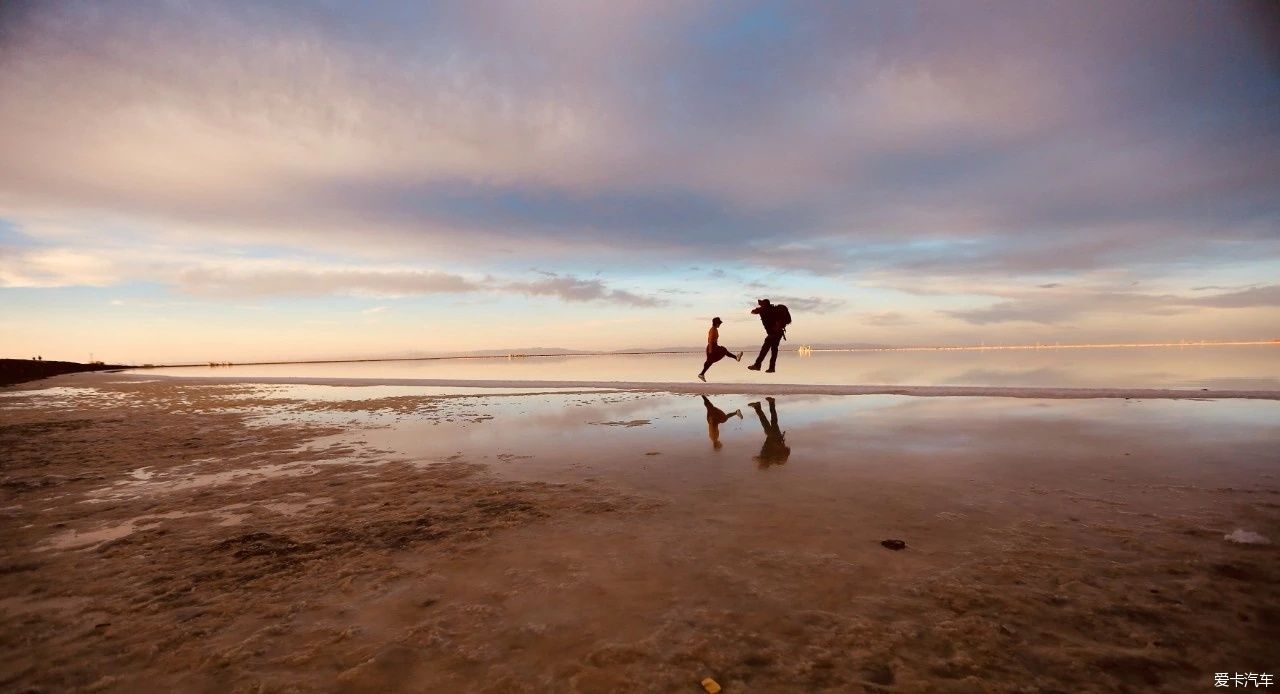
170 534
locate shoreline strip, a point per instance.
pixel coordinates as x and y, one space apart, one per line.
1040 392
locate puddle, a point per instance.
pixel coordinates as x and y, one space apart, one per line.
337 393
74 539
229 515
174 481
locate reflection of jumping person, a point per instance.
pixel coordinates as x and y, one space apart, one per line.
714 351
716 417
775 320
775 450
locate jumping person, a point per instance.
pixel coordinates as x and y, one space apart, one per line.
714 351
775 320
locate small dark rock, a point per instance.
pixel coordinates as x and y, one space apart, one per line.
757 660
1232 571
878 673
893 544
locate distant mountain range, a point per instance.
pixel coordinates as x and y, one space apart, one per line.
546 351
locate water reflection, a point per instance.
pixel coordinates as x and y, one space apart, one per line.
774 450
716 417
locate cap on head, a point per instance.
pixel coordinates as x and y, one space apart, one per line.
716 321
762 302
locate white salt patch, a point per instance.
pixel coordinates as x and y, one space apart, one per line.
1246 537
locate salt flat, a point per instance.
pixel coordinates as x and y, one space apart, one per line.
210 535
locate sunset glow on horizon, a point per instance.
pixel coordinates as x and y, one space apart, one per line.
244 181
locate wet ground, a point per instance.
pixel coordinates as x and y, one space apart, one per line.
163 535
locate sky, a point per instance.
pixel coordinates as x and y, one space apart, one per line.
251 180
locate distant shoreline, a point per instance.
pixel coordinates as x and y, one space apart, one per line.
13 371
984 348
1038 392
513 355
30 369
797 348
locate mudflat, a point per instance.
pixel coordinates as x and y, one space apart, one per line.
165 534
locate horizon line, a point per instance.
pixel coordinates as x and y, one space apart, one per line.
800 349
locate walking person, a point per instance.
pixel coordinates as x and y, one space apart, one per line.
715 352
775 319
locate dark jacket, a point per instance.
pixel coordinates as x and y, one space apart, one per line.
769 318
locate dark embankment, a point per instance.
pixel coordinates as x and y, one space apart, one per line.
19 370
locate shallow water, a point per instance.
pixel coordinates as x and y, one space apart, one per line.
687 437
1226 367
1035 514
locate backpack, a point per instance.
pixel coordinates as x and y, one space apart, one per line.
781 315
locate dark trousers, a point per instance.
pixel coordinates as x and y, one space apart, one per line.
771 342
714 354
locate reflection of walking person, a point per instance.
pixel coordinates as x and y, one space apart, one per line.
716 417
775 320
774 451
714 351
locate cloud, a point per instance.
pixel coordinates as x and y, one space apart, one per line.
54 267
885 319
276 283
825 139
576 289
1254 296
375 309
812 304
1057 312
220 281
1032 166
1058 308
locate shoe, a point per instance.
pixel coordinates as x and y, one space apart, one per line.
753 367
702 378
768 371
739 357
